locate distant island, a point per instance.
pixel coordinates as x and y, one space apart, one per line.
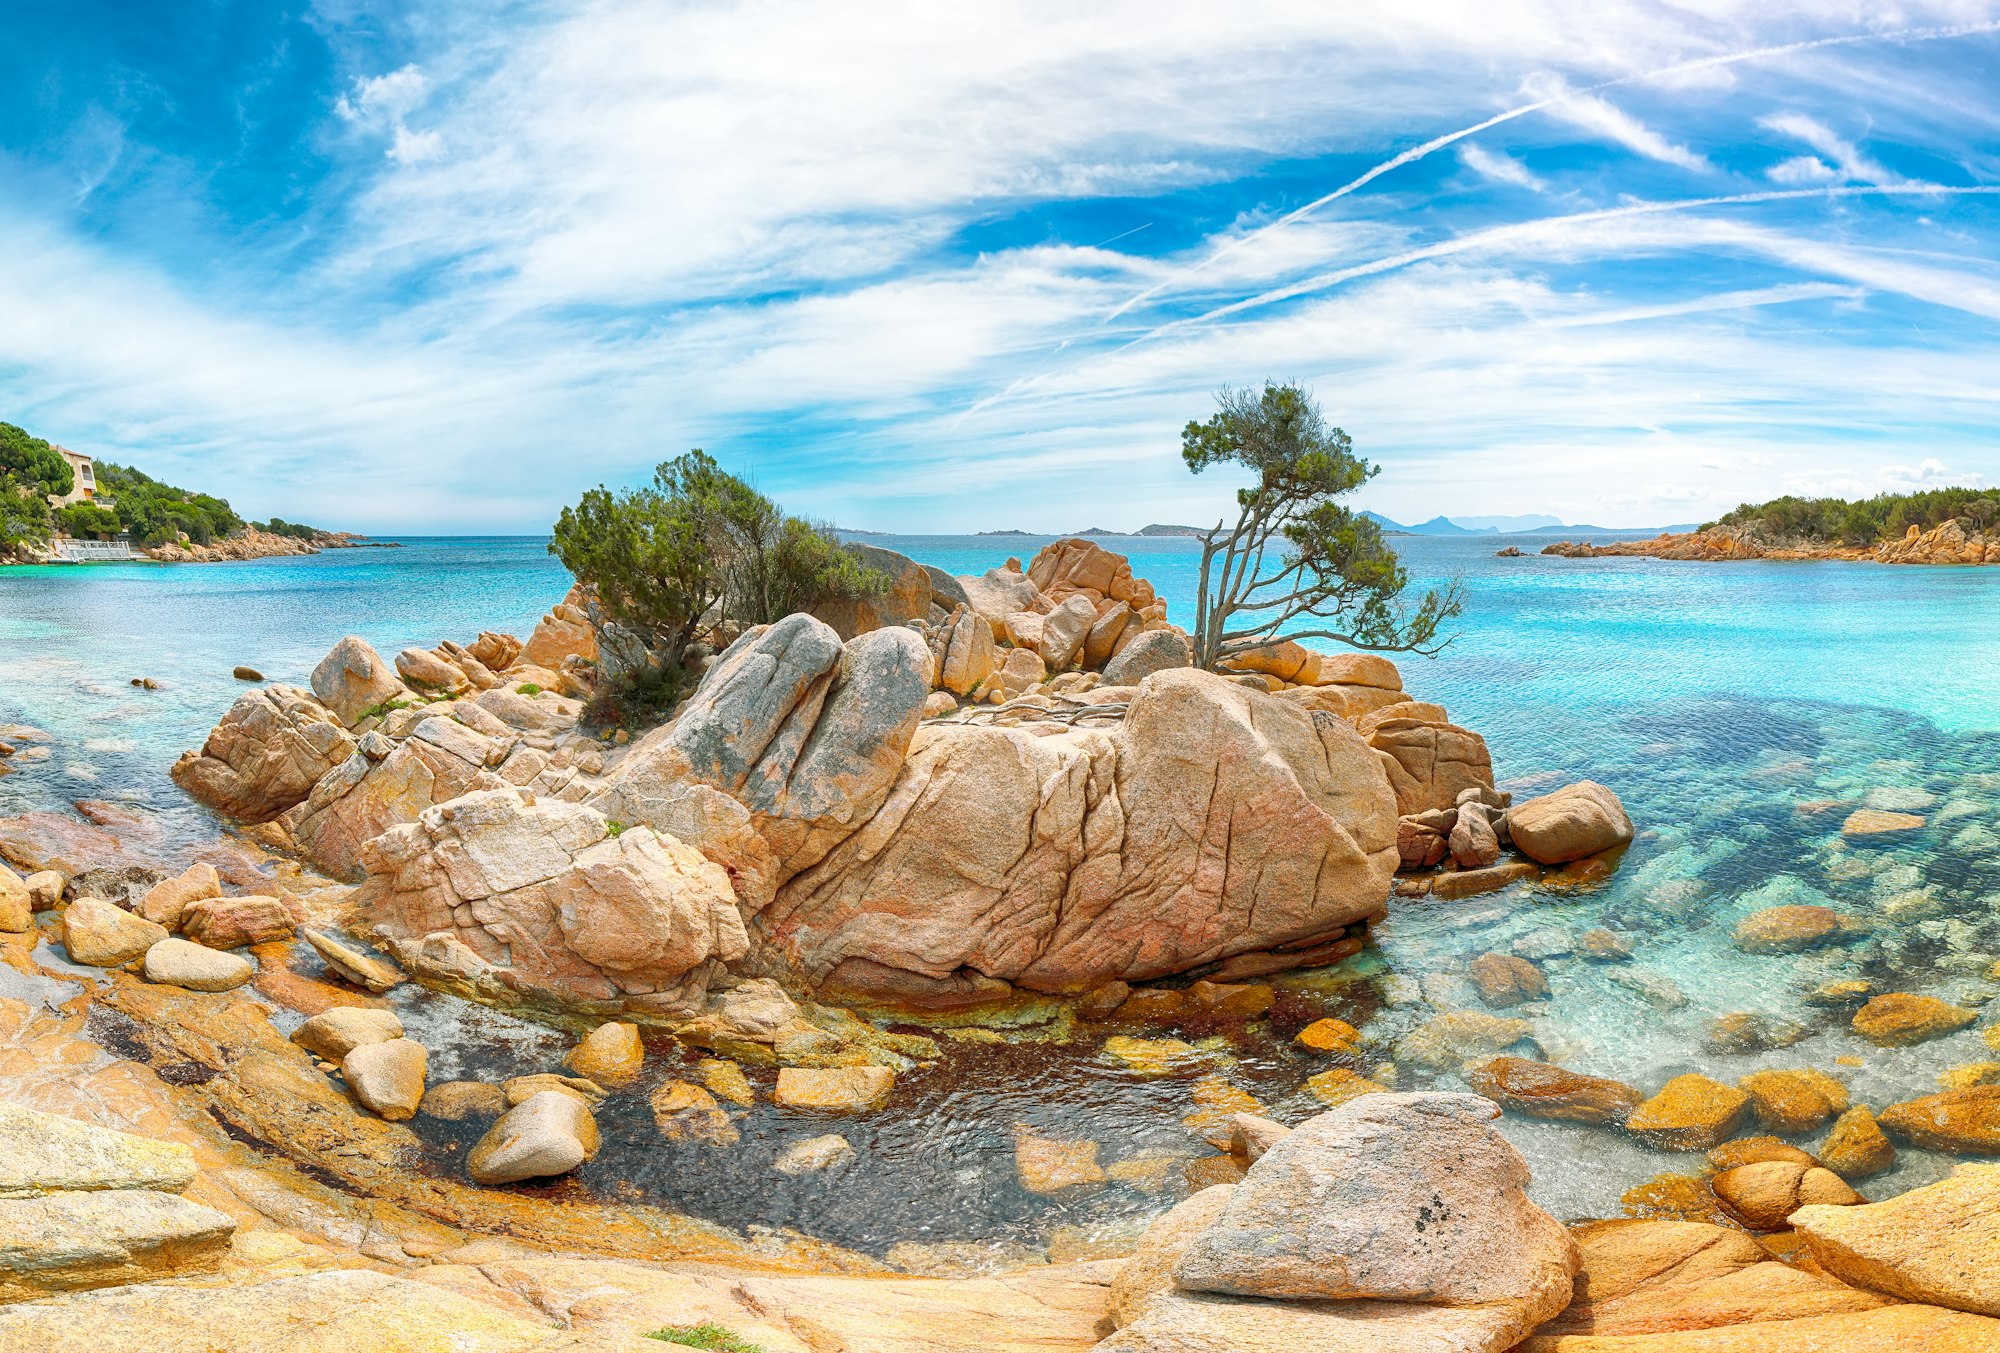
58 505
1933 526
1534 525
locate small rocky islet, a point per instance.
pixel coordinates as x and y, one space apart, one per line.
1214 988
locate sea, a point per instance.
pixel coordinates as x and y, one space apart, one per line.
1738 709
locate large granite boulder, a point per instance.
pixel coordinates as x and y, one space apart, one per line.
1154 651
913 592
362 798
1076 565
999 593
1430 765
1214 821
550 898
806 733
265 755
1573 822
353 678
564 632
1394 1197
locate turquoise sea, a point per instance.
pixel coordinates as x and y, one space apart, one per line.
1727 704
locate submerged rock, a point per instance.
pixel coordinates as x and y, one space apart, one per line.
1958 1120
1856 1148
1793 1102
1504 980
1899 1018
842 1089
1542 1090
813 1155
1055 1167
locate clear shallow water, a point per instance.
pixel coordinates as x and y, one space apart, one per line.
1716 699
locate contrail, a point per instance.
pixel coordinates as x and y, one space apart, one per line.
1462 243
1440 142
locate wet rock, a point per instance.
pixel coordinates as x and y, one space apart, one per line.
166 900
242 673
1503 980
236 922
1329 1035
332 1034
1542 1090
1793 1102
520 1089
349 963
1964 1121
612 1054
1419 845
1053 1167
844 1089
1754 1031
1339 1085
1841 993
104 936
67 1242
45 1151
456 1101
1459 883
387 1077
1690 1113
1450 1040
1217 1104
1152 1005
1790 929
353 678
265 755
813 1155
1251 1135
1234 1001
1102 1002
726 1079
1150 1056
182 963
545 1135
1872 826
688 1113
1757 1151
1856 1147
1394 1198
1969 1075
17 906
1900 1018
1762 1195
1933 1244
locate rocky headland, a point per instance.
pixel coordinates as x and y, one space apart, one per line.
1957 541
252 543
249 1110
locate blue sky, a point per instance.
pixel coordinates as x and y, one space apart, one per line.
938 266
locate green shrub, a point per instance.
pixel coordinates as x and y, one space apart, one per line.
705 1335
527 688
614 827
383 710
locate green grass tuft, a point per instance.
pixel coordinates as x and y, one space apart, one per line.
705 1335
613 826
383 710
527 688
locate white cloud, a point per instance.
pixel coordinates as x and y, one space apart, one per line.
1500 168
1853 165
1603 118
1801 170
1930 473
382 103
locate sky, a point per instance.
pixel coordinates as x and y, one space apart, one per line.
938 266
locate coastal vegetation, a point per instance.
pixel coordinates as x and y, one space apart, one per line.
1866 521
698 546
31 471
1295 555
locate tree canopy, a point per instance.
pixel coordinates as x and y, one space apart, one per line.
698 545
30 472
1865 521
159 514
1297 564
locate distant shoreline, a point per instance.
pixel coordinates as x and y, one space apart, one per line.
1950 543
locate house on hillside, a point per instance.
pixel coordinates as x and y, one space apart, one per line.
84 490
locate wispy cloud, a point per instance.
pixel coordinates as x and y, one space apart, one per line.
1600 117
1500 168
1848 159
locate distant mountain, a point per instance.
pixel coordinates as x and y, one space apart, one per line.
1539 524
1159 529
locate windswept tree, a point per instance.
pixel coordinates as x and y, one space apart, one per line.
698 546
1297 564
